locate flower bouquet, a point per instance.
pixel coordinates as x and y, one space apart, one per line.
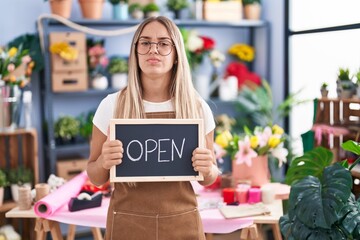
250 152
15 66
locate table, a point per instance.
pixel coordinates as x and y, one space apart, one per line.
213 221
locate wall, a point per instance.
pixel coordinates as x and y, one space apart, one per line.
21 15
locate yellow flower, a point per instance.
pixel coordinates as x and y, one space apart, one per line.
254 142
273 141
223 139
277 130
243 51
12 52
64 50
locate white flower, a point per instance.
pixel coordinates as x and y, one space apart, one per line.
194 41
280 153
216 57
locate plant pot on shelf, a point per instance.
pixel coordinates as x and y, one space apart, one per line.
61 7
252 11
15 190
91 9
257 174
324 93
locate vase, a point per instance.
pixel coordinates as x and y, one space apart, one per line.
10 105
120 11
1 195
201 78
257 174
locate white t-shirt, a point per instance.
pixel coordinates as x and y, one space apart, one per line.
106 109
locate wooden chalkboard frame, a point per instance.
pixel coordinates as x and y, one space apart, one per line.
199 124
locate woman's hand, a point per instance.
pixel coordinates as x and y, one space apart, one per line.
203 161
111 153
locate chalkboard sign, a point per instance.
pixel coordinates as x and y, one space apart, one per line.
156 149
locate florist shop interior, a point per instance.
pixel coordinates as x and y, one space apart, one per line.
281 79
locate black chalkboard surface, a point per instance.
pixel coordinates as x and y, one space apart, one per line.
156 149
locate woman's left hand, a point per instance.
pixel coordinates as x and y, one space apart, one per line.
203 161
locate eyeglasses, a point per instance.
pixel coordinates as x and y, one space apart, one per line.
164 47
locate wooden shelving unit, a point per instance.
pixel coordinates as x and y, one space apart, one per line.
19 148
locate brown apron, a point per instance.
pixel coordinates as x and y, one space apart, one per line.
154 210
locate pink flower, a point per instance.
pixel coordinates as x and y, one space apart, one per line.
11 67
104 61
26 59
96 50
219 153
245 153
263 136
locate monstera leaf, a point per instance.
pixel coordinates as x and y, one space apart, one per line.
311 163
321 205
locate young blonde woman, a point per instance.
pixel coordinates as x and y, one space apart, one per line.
159 86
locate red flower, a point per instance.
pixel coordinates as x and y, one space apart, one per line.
241 72
209 43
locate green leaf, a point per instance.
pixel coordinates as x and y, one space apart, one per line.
351 146
351 212
327 197
311 163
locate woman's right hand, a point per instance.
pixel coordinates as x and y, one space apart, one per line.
111 153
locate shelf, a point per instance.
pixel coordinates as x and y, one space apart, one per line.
90 92
73 148
180 23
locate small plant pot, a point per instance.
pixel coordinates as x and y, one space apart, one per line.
1 195
152 14
252 11
61 7
91 9
324 93
137 14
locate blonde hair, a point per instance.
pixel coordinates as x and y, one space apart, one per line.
184 96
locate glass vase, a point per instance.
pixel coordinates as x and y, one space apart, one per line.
10 104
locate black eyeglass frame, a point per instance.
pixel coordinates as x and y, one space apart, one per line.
157 47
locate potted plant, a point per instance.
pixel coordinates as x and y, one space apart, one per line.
66 128
86 125
151 10
324 90
120 9
3 184
60 7
18 177
136 11
357 83
177 6
321 204
344 83
118 68
252 9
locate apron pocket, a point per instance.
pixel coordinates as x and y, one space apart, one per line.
132 226
180 226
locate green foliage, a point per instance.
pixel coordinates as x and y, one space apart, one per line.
114 2
321 205
3 179
66 127
118 65
31 42
86 124
344 74
357 76
20 175
135 6
256 107
324 86
151 7
247 2
176 5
